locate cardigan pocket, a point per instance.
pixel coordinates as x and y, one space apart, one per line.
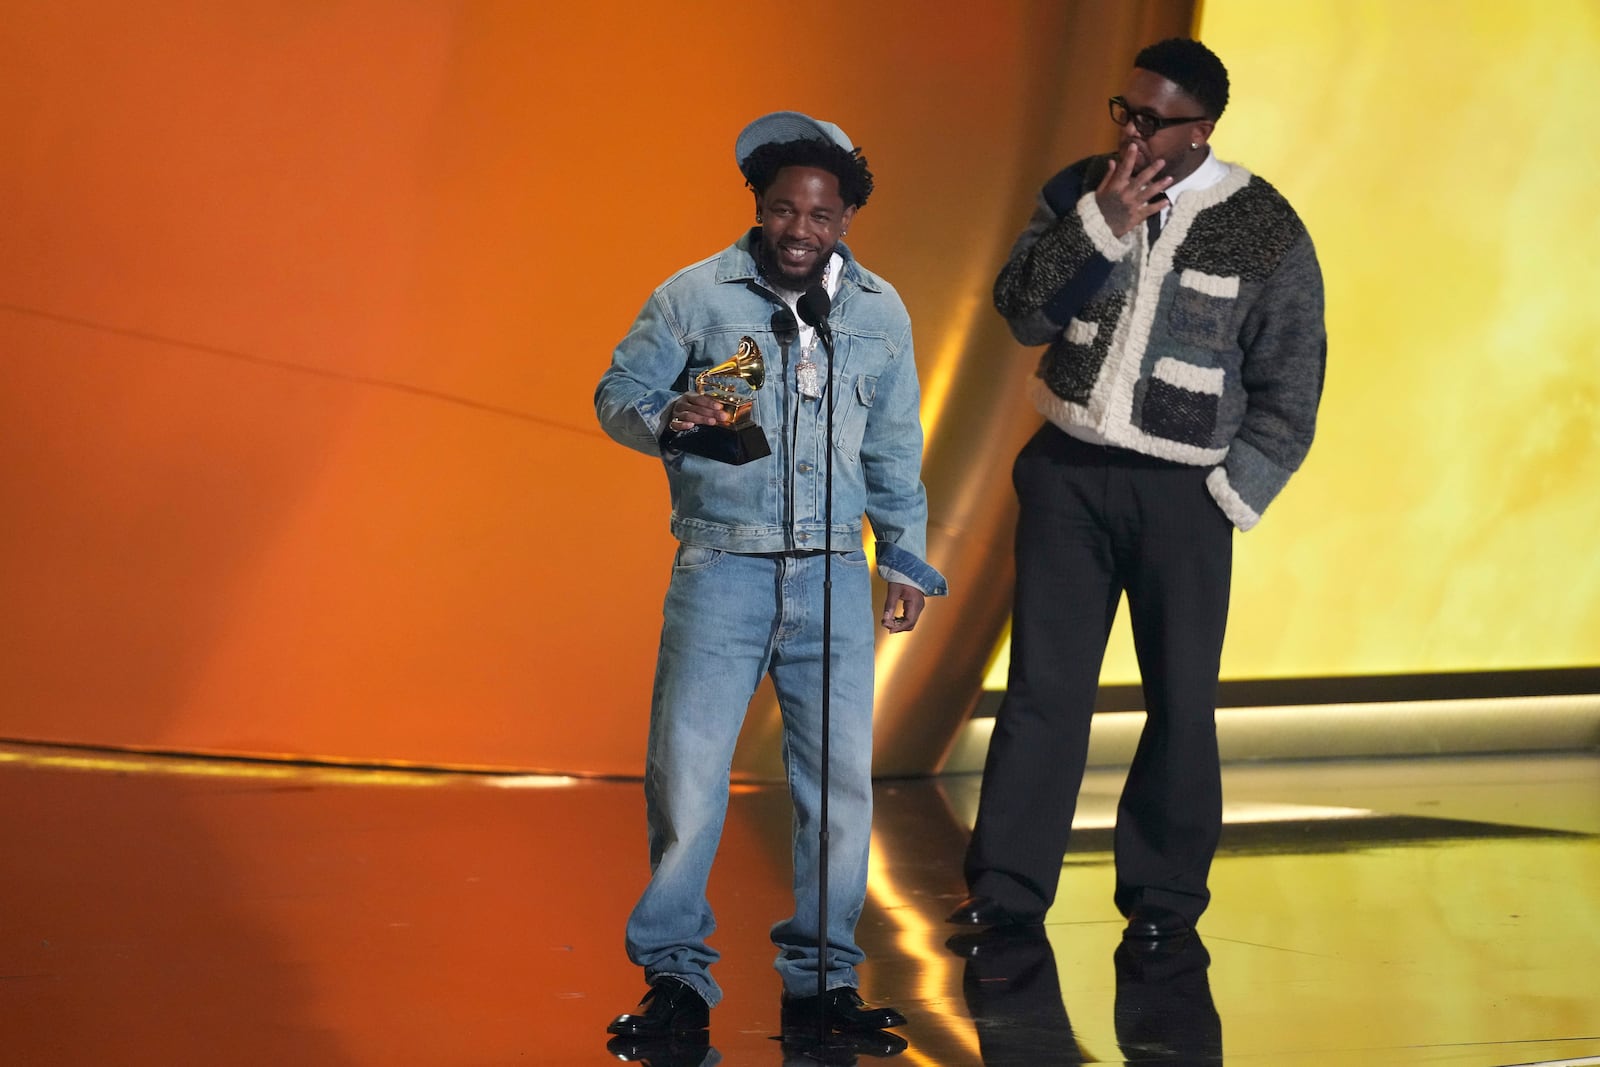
1205 310
1072 364
1180 402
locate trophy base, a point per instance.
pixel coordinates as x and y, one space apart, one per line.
725 444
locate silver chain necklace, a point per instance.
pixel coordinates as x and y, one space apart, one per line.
806 378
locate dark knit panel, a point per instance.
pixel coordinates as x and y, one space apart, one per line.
1070 370
1246 235
1178 414
1050 264
1025 285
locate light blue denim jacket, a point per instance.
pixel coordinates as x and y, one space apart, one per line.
776 504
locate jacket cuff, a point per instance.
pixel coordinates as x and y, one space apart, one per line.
1232 504
895 564
1105 242
1245 484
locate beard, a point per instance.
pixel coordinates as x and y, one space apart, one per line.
774 272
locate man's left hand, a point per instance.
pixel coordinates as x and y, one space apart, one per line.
901 607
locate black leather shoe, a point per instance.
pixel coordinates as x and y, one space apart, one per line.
844 1008
1147 922
998 941
671 1007
983 911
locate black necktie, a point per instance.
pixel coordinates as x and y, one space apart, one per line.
1153 224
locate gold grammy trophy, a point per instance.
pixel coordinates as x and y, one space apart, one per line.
742 440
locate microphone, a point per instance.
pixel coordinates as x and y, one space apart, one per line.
814 305
784 328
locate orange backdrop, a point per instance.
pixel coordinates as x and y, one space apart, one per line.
301 311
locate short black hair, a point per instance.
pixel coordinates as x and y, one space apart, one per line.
1192 67
761 166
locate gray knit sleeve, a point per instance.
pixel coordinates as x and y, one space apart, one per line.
1286 346
1059 261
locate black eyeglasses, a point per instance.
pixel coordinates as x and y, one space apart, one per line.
1147 123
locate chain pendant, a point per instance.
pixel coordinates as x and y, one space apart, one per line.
805 376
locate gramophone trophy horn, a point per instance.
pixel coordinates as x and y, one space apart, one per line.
732 384
721 382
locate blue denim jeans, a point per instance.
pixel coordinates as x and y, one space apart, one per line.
729 620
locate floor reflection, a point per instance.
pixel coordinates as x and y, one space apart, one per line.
840 1050
684 1050
1163 1009
1013 994
1400 912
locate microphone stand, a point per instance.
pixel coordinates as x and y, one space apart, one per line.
814 306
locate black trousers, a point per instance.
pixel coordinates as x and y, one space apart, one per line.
1095 523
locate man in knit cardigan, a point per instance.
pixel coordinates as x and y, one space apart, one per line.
1181 304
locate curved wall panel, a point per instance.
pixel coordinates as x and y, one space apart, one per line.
301 311
302 306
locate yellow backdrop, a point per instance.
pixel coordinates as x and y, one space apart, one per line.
1447 517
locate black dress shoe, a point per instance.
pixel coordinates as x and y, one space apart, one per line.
998 941
984 911
1147 922
671 1007
844 1008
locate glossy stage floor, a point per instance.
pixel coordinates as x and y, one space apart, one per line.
177 911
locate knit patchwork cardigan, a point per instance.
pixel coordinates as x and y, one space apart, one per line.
1206 347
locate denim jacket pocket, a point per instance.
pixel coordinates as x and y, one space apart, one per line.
1205 310
850 417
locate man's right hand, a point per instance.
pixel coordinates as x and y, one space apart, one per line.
1125 198
692 409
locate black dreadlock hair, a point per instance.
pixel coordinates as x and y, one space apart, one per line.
761 166
1192 67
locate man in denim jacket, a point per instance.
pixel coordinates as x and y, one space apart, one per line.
1182 306
746 597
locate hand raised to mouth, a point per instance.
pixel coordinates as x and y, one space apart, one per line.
1127 197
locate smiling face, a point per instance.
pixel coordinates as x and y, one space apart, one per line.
1152 94
802 217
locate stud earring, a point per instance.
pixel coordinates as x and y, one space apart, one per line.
1194 146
